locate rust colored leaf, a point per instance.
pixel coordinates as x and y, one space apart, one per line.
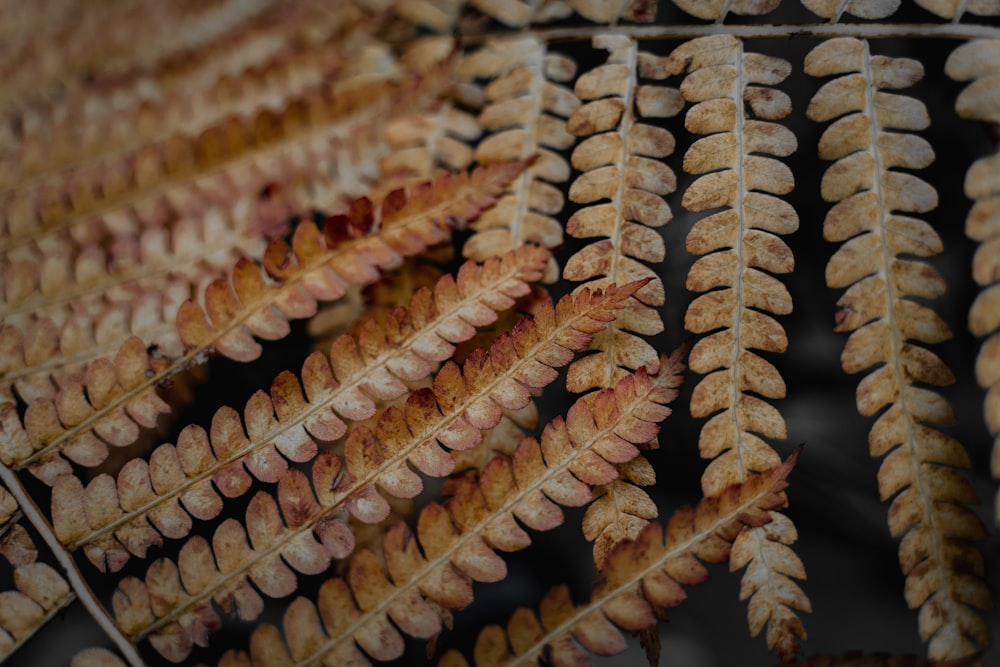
639 576
456 543
190 479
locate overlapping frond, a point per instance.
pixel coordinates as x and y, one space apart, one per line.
524 112
862 9
173 605
178 183
419 144
521 13
622 188
456 543
111 519
639 576
870 140
271 57
257 300
77 281
976 61
116 38
96 657
620 165
236 156
86 300
718 10
956 9
735 106
39 591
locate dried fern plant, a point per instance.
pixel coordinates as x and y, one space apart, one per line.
318 319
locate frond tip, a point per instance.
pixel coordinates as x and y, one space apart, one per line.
456 543
449 415
639 577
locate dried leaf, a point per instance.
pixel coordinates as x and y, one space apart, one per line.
524 108
640 576
929 500
285 425
619 165
451 414
740 250
455 543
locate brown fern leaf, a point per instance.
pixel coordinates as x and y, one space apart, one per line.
111 520
617 161
39 592
718 10
943 568
307 272
525 107
108 41
421 143
237 155
740 249
520 13
88 301
956 9
621 509
834 10
455 543
259 300
93 123
9 511
452 414
110 404
96 657
639 577
971 61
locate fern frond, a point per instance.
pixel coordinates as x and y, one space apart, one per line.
740 249
88 301
441 15
292 49
956 9
455 543
718 10
86 298
259 300
128 516
421 143
617 158
525 108
241 154
39 592
9 511
834 10
943 568
974 61
461 404
96 657
110 41
639 576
